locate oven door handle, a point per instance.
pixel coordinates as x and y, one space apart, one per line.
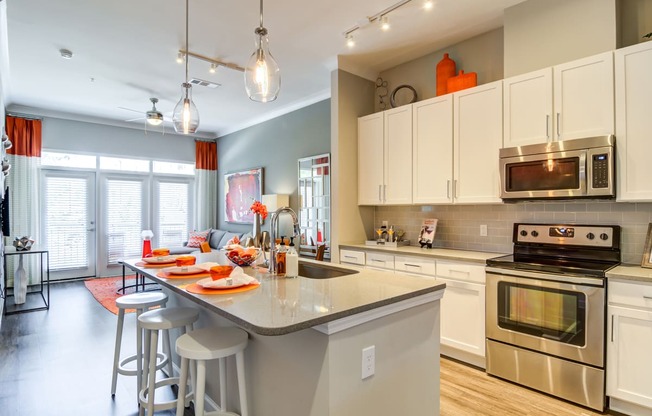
558 278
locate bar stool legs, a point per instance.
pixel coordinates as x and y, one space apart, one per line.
208 344
142 302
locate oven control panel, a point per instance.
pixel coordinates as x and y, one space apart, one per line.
579 235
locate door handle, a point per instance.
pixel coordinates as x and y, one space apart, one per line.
90 229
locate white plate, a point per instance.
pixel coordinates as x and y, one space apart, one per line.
184 270
160 259
209 283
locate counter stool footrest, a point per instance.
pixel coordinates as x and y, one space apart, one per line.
161 358
163 405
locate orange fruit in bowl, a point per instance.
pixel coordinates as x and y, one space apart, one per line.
220 272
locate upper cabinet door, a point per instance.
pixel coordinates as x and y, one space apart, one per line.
528 108
432 153
478 136
633 122
584 97
397 187
370 159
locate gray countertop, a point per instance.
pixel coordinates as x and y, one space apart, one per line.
438 253
630 272
284 305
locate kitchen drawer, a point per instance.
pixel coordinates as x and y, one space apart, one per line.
380 260
631 294
465 272
419 265
352 257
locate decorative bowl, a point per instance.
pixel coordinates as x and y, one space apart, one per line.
243 258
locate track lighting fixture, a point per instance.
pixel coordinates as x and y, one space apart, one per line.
179 58
427 5
350 42
382 18
384 23
213 68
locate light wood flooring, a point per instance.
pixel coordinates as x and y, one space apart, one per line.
468 391
58 362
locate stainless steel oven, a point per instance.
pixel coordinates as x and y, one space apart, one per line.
545 316
581 168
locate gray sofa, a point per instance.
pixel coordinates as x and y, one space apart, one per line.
216 239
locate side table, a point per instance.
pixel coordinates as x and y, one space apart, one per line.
38 299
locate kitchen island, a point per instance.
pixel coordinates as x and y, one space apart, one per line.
304 357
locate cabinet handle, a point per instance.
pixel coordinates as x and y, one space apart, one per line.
558 134
547 126
448 189
460 272
384 193
454 188
412 265
612 328
349 257
379 197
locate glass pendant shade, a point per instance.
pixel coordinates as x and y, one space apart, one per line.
262 75
185 116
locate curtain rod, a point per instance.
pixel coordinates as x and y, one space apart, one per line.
206 140
25 116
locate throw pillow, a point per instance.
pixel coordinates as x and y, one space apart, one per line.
195 238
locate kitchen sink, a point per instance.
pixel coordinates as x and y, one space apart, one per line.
317 271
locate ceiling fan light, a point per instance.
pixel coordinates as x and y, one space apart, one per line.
154 118
185 116
262 74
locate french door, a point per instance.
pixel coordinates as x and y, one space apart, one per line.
69 224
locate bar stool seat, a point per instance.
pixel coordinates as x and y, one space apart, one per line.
152 322
209 344
142 302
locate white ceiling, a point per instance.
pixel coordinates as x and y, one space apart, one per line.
125 50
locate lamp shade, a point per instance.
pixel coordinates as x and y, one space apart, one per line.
276 201
185 116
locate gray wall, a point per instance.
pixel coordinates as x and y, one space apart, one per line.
482 54
635 21
275 145
81 137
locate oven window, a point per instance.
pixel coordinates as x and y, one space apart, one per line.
554 314
544 175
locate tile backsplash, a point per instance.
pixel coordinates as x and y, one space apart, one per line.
459 225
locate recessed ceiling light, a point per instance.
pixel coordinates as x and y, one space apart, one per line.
65 53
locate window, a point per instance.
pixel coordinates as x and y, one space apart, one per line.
123 164
173 213
173 168
68 160
124 218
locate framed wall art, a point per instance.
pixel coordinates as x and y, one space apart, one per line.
241 189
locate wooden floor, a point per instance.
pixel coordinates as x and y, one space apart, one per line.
469 391
58 362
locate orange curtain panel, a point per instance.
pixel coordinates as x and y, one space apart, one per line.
205 184
205 155
25 135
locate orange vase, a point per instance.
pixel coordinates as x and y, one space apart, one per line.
445 69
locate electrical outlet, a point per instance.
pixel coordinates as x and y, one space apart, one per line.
368 361
385 223
483 230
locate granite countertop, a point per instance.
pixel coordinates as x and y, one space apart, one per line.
630 272
439 253
284 305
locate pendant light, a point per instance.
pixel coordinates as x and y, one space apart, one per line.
262 75
186 116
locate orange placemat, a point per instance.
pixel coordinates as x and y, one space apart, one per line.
198 290
154 266
166 275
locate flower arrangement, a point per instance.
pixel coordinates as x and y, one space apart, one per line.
258 208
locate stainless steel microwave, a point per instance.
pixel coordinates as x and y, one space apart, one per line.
579 168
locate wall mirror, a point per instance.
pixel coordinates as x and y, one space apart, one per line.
315 205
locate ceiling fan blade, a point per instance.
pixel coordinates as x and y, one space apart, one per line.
135 119
131 109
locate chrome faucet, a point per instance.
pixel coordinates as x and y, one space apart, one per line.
273 227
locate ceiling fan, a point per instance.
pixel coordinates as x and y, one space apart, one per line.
153 116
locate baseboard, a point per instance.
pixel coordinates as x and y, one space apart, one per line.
627 408
463 356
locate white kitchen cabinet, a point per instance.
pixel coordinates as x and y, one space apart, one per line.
432 139
633 122
380 261
568 101
463 311
422 266
385 157
352 257
629 362
477 138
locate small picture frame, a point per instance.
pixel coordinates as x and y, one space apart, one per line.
647 251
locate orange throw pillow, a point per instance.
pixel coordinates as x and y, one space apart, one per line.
205 247
195 238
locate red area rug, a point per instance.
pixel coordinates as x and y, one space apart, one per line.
105 290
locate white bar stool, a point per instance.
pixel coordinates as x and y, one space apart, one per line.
142 302
152 322
209 344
